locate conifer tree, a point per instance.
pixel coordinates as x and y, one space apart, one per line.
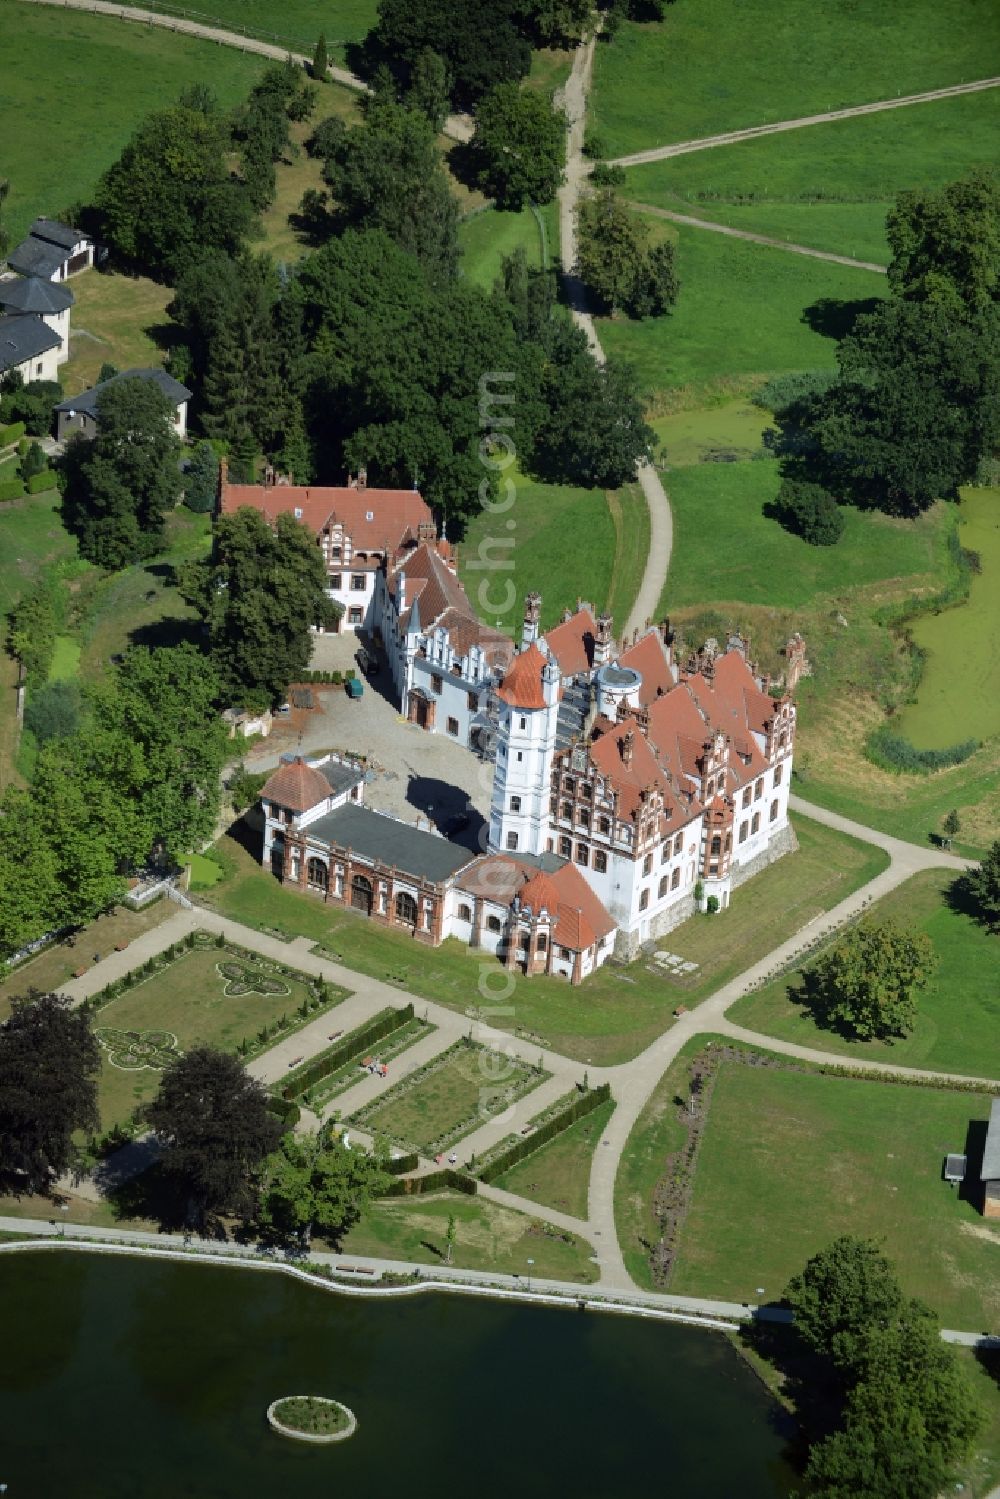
320 61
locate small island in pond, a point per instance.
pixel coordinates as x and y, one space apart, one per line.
311 1418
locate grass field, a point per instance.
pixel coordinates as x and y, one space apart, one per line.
116 320
619 1010
790 1160
959 692
115 74
292 23
188 999
729 430
301 171
717 65
456 1094
487 1237
727 549
558 1174
958 1024
487 237
741 313
829 186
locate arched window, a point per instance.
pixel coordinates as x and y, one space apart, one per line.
406 908
317 874
541 942
361 894
465 913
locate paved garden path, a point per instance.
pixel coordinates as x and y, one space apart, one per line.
731 137
458 127
755 239
661 531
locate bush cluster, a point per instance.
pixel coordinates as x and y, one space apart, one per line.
891 751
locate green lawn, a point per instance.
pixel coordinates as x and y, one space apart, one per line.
558 1174
187 998
292 23
717 65
293 177
790 1160
958 1025
561 543
65 659
487 1237
115 73
959 692
455 1094
727 432
487 237
828 186
725 548
115 321
740 313
619 1010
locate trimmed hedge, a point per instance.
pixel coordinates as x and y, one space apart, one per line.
402 1164
434 1181
527 1145
288 1112
38 482
893 752
11 489
10 435
345 1051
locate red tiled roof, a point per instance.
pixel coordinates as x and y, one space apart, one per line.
649 658
572 643
370 517
444 602
582 918
522 686
297 786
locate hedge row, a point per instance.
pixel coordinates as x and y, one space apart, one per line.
39 482
345 1051
578 1109
893 752
11 489
334 678
10 435
434 1181
289 1113
402 1164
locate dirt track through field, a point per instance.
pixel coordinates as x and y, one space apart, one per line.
733 137
756 239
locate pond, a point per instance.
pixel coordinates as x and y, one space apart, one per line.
959 693
121 1378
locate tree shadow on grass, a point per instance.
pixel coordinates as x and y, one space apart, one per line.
834 318
961 898
161 634
432 1248
154 1195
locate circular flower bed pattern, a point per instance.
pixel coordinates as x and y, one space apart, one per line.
134 1049
241 979
312 1418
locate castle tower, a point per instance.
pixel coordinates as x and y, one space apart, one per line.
529 711
532 619
605 641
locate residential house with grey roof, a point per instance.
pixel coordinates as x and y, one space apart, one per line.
52 251
79 413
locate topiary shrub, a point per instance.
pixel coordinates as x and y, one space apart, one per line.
712 905
809 511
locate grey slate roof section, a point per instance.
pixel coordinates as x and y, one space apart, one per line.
36 257
380 838
991 1150
87 402
341 777
32 294
24 337
58 234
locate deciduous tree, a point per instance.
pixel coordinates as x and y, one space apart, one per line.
258 595
430 88
118 488
520 142
867 982
481 48
810 511
322 1186
49 1062
617 262
945 243
201 481
213 1122
845 1292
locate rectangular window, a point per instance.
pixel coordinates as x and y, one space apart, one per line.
512 841
520 757
774 811
600 862
453 727
678 844
515 804
565 953
755 828
355 616
584 817
675 878
472 701
747 795
777 775
336 580
523 723
644 900
357 582
667 845
758 790
744 830
582 856
437 683
565 847
647 864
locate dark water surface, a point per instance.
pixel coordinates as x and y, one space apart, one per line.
121 1378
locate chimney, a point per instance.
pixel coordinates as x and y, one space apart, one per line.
532 618
628 748
362 478
567 615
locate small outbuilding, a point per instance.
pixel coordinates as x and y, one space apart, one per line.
28 346
990 1172
52 251
79 413
30 296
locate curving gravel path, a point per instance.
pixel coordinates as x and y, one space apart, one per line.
732 137
755 239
